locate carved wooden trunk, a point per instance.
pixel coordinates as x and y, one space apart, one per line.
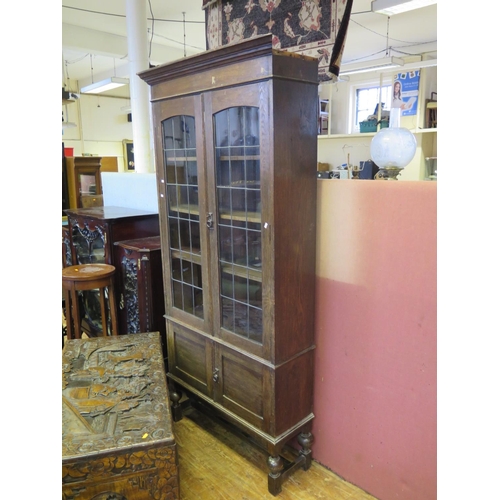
117 435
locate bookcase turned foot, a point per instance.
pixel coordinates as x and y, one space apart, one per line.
306 440
175 397
275 478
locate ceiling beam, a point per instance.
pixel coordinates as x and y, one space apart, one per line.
93 41
85 40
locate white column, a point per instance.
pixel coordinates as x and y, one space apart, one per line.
137 42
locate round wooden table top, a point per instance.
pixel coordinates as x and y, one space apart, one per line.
86 272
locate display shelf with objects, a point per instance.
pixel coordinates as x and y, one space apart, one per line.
371 134
334 150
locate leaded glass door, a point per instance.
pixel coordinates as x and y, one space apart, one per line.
182 175
239 228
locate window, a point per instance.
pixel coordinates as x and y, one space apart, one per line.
367 99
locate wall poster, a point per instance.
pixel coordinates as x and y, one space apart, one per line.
405 92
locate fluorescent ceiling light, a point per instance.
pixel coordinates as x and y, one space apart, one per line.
373 65
426 63
104 85
391 7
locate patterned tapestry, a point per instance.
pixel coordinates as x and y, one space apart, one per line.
316 28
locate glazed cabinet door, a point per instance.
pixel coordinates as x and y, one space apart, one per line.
183 218
238 123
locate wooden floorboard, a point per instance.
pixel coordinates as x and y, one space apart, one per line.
216 463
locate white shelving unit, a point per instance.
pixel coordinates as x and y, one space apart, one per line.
371 134
336 148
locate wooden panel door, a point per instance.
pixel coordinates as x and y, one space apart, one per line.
190 358
242 385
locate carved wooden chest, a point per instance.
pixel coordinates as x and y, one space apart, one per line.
117 435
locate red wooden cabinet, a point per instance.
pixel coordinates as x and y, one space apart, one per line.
141 304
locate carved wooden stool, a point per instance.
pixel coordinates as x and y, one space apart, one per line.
89 277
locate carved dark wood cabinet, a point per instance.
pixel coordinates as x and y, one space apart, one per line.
235 145
93 233
67 256
141 304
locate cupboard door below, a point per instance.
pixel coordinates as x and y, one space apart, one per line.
190 358
240 386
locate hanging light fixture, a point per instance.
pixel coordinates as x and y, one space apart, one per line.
381 64
373 65
110 83
104 85
392 7
65 123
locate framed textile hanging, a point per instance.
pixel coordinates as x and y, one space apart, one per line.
316 28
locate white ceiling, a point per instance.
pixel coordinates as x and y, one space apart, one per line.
99 28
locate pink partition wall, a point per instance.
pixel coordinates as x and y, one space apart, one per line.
375 372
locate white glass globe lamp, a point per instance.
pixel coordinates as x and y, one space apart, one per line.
392 148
